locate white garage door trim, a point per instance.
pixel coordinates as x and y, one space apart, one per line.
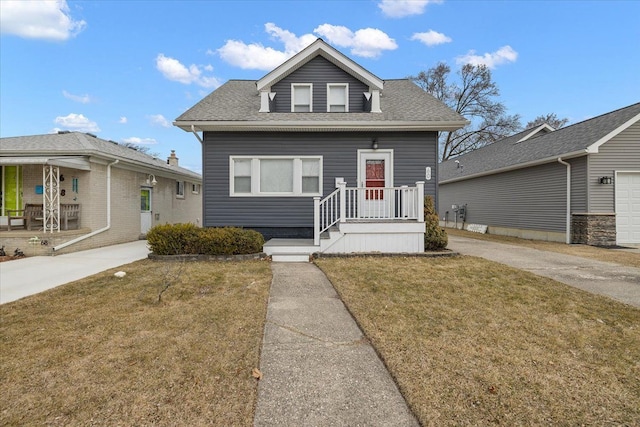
627 202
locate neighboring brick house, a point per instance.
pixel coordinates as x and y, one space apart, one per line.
118 191
578 184
275 151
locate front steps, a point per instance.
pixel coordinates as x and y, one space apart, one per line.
290 250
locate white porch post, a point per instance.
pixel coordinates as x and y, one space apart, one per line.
316 221
343 202
420 200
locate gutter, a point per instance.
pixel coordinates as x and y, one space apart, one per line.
193 131
568 218
93 233
319 126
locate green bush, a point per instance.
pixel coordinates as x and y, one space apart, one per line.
173 239
435 238
177 239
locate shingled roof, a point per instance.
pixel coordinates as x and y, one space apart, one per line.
59 145
511 153
236 105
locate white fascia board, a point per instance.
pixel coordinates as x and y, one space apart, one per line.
552 159
321 125
328 52
593 148
536 130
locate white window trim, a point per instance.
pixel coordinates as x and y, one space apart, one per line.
178 195
346 94
255 176
195 188
310 86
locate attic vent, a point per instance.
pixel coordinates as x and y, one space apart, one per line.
62 132
90 134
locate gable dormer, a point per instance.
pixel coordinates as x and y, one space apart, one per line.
319 79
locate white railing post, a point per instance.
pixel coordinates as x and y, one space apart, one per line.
343 202
316 221
404 198
420 200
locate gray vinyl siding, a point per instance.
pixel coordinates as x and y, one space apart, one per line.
579 184
319 72
413 151
620 153
531 198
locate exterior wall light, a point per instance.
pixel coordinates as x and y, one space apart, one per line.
374 143
151 180
606 180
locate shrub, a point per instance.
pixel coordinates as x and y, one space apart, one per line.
176 239
173 239
435 237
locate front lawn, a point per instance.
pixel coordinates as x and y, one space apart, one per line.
472 342
109 351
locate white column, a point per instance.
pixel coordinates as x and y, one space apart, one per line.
316 221
420 200
343 201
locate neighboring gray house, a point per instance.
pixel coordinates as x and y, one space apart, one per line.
72 191
275 151
578 184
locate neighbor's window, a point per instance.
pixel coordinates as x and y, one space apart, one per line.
195 188
337 97
276 176
180 189
301 97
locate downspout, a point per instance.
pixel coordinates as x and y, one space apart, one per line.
102 230
568 219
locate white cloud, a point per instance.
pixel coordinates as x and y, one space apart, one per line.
76 122
48 20
140 141
160 120
366 42
258 57
431 38
174 70
502 56
83 99
123 120
402 8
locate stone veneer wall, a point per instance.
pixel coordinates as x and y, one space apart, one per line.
595 229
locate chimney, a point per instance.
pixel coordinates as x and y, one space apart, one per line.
172 160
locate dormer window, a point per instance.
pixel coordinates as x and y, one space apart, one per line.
337 97
301 96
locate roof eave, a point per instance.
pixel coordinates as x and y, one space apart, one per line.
593 148
517 166
319 126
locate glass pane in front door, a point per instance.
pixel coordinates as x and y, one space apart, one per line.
374 177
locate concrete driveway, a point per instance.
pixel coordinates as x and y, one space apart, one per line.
612 280
28 276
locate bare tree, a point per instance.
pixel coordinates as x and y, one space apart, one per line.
474 96
551 119
141 148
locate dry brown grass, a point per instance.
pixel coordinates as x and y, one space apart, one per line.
104 351
600 254
472 342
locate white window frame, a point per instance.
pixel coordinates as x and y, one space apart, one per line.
180 189
293 89
346 95
195 188
255 176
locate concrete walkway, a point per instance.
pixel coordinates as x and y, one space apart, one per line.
23 277
612 280
318 369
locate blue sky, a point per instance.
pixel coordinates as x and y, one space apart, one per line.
124 70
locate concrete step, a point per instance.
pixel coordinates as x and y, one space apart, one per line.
290 257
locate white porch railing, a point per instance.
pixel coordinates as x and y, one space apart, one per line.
379 204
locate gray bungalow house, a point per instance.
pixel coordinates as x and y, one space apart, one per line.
72 191
320 147
578 184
